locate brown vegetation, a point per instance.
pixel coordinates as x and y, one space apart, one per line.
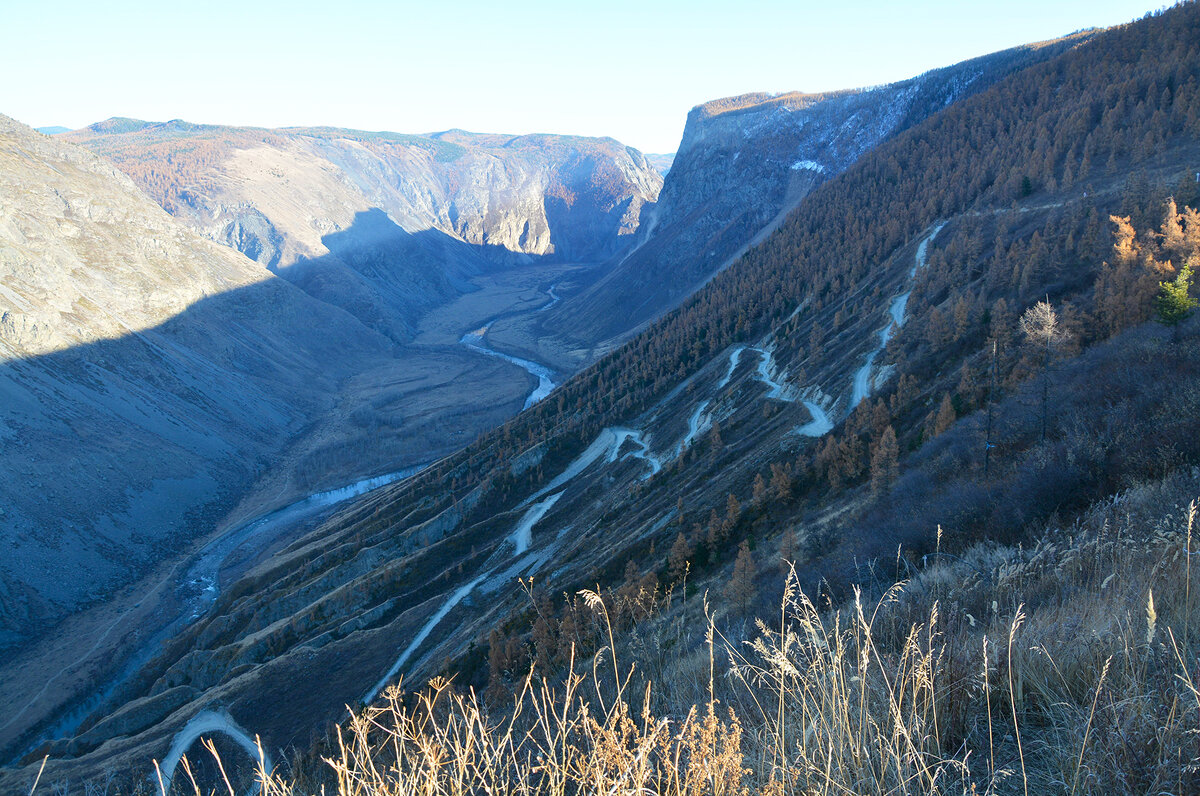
1067 666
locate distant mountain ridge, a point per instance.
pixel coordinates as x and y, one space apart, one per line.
443 207
661 162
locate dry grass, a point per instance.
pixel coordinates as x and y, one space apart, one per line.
1068 666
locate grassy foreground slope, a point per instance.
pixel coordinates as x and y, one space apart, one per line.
1065 666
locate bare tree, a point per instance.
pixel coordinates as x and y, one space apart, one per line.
1042 331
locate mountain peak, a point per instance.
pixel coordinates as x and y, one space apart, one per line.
119 124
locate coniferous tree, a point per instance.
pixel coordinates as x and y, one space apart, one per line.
884 461
677 559
740 590
758 492
1174 303
945 416
781 482
733 511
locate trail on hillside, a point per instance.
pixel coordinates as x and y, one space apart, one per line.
699 422
208 722
767 371
643 452
607 446
522 537
862 384
199 586
820 425
454 599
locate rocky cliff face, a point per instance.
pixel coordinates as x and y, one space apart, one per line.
386 225
743 164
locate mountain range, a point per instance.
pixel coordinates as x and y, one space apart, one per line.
152 377
815 343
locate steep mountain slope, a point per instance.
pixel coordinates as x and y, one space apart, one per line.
144 372
163 395
386 225
743 163
813 367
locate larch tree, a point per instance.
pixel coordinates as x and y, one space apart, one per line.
740 590
1172 229
677 559
945 416
718 531
1174 303
733 511
758 492
884 461
781 482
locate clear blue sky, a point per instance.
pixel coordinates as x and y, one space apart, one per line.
626 69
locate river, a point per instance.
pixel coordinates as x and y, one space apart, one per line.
476 342
198 587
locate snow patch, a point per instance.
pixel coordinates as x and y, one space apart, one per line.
809 165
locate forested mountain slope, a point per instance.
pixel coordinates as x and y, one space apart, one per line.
856 380
743 164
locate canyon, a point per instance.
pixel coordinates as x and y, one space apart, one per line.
461 363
